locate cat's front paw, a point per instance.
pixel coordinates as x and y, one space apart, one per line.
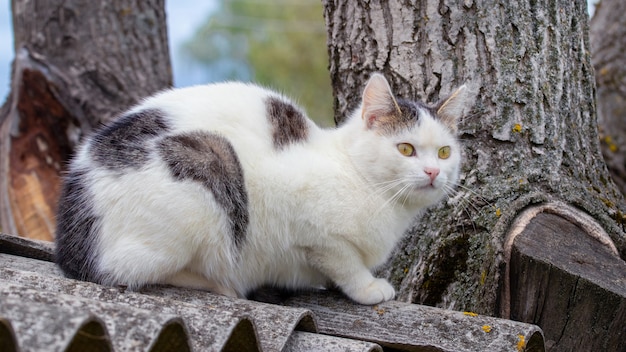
379 290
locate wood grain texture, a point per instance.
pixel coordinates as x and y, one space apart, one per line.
569 284
409 327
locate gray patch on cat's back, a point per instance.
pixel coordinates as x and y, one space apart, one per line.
76 229
289 125
123 144
210 159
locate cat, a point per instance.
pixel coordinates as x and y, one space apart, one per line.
227 187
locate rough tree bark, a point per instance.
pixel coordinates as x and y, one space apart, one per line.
77 64
530 138
608 39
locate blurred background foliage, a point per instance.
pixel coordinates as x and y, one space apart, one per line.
280 44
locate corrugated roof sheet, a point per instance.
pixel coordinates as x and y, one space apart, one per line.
40 310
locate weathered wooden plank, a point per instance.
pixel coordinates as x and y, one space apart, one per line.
30 248
306 341
211 328
569 284
409 327
33 326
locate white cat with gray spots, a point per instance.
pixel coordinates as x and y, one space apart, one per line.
228 187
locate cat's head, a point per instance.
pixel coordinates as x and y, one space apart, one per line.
405 149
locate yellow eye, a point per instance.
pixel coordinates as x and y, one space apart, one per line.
406 149
444 152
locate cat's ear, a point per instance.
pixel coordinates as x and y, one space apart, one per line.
378 101
450 109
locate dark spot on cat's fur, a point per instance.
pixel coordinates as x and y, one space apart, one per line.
76 230
123 143
408 116
210 159
289 125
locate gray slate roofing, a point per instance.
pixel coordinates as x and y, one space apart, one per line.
40 310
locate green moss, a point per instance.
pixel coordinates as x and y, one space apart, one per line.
620 218
607 202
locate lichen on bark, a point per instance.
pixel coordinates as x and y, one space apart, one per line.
529 137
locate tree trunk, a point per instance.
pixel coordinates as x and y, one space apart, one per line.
77 64
608 39
530 139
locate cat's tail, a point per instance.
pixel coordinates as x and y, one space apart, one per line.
76 229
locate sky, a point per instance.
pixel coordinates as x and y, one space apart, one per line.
183 17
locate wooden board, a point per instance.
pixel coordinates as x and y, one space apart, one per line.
570 285
399 326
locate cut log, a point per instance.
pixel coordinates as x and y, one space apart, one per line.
569 284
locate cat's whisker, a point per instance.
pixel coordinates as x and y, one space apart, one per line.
405 183
385 187
392 200
469 190
465 203
406 193
473 194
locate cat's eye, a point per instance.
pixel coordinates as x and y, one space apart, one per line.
444 152
406 149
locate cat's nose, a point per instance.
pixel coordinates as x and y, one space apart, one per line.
432 172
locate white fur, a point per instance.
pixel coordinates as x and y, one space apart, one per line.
319 210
